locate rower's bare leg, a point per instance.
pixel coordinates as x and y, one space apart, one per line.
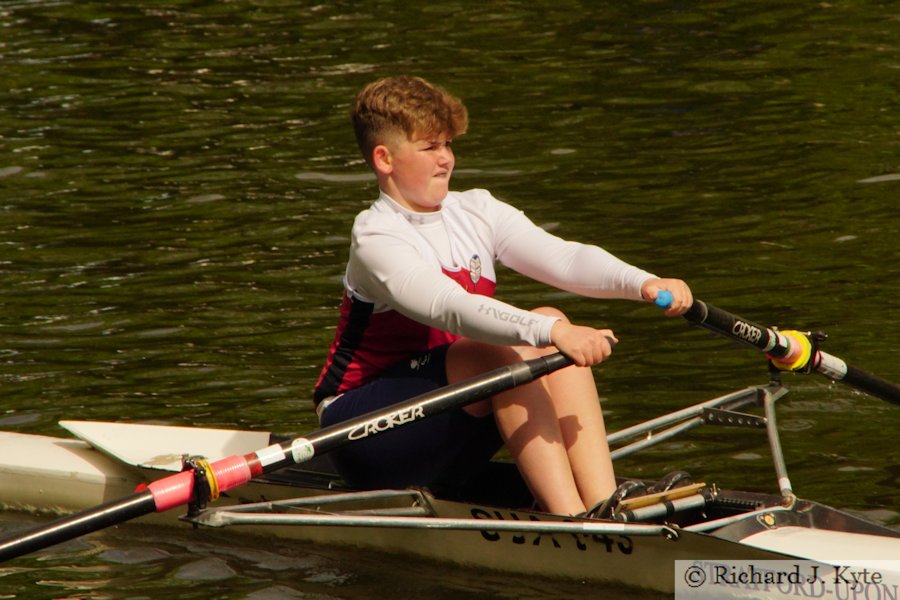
527 420
580 417
574 396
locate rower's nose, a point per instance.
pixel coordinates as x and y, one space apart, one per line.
445 155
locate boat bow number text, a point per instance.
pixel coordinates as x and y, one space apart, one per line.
611 543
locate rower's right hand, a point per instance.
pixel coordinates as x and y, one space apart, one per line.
586 346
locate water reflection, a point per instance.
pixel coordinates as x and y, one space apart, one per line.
177 182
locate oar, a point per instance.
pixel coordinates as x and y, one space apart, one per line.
789 350
207 480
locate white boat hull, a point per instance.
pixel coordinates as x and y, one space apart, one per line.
41 473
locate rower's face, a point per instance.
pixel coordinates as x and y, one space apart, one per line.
420 172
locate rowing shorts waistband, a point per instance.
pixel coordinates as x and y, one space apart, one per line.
325 403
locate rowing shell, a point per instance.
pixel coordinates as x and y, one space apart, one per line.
108 460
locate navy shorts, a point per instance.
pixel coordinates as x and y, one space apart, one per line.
441 452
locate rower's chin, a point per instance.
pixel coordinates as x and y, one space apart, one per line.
439 191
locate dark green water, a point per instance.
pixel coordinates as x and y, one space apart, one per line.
177 181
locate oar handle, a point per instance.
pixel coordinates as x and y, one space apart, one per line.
663 299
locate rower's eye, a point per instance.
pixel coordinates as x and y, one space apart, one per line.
433 146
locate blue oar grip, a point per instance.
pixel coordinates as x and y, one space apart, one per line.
663 299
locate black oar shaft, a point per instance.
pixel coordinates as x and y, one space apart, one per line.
731 326
871 384
768 340
230 472
427 405
62 530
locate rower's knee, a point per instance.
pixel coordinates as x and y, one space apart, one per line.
466 358
529 352
549 311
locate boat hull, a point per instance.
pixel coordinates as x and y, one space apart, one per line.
55 475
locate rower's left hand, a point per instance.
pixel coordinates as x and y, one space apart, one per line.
682 299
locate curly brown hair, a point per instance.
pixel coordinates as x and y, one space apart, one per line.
407 106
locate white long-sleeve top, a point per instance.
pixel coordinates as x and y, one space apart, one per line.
397 257
413 276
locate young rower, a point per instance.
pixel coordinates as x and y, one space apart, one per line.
418 313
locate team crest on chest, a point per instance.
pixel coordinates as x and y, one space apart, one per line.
475 268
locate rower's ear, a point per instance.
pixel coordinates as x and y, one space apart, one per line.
382 159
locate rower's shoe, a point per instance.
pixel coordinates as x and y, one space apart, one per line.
675 479
634 489
605 509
